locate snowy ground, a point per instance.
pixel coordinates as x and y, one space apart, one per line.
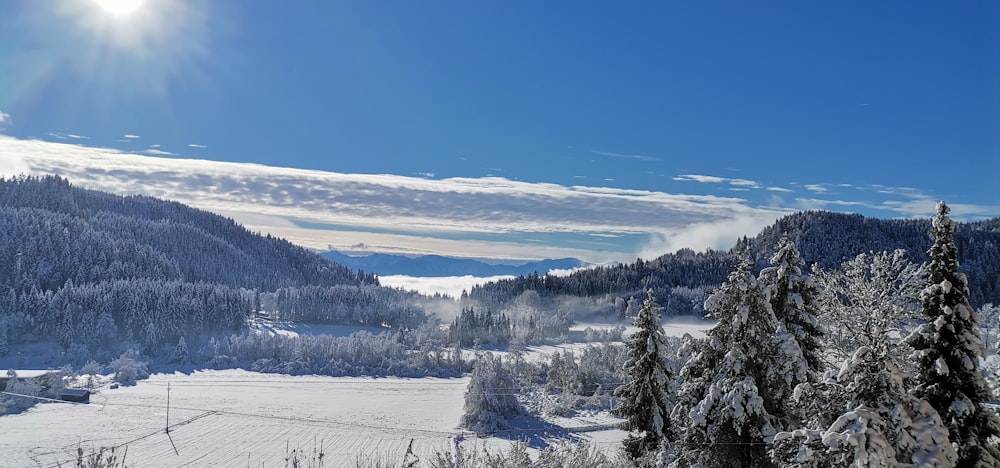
241 418
673 326
286 328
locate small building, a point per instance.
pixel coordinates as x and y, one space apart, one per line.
75 395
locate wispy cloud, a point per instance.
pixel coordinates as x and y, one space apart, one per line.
64 136
707 179
820 204
129 136
5 118
899 191
638 157
744 183
919 205
193 145
700 178
890 201
910 203
159 152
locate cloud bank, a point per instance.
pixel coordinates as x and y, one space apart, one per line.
487 217
477 217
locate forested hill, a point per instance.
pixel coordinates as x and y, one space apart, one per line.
99 273
830 238
680 279
52 232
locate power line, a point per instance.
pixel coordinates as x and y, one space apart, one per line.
320 422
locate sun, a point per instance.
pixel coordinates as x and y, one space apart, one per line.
119 8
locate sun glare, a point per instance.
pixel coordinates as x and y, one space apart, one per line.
140 46
119 8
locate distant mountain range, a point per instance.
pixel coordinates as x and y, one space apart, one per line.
437 266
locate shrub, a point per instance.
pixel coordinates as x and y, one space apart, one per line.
129 367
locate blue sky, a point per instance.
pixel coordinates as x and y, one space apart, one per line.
761 108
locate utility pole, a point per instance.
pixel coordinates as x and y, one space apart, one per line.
171 439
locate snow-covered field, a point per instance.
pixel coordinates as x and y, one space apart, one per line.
287 328
241 418
673 326
236 418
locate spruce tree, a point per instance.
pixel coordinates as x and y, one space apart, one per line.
948 348
645 395
730 413
794 301
180 352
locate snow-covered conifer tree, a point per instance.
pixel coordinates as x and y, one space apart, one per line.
646 396
180 352
948 348
490 397
725 380
632 307
863 415
871 421
794 301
